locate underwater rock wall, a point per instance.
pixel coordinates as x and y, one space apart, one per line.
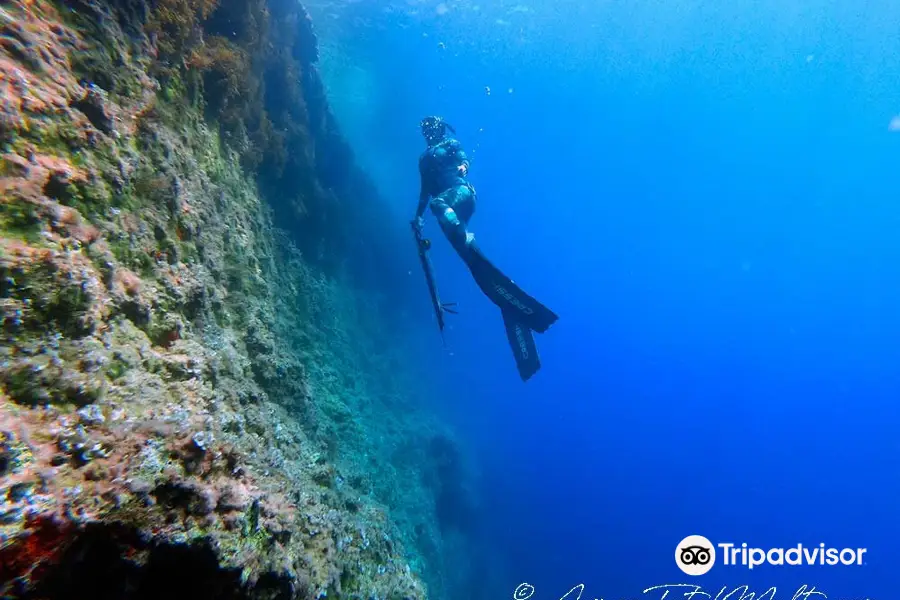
195 403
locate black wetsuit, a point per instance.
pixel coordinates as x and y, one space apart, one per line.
452 196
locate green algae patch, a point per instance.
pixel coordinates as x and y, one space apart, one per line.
20 219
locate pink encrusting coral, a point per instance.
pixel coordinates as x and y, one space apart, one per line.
181 396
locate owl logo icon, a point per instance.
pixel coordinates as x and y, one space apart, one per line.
695 555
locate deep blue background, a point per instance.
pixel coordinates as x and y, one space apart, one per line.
708 196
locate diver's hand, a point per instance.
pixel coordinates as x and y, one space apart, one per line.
463 170
418 223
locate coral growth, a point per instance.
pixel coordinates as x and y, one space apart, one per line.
182 388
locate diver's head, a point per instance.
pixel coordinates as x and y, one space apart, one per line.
434 129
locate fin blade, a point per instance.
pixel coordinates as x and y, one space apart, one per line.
522 344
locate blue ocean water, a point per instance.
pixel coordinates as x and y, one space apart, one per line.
707 195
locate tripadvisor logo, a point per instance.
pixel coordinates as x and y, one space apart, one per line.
696 555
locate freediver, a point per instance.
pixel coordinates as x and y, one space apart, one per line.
443 169
445 188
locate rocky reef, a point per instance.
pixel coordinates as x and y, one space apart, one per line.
193 400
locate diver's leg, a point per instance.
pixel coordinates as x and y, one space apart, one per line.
451 224
464 207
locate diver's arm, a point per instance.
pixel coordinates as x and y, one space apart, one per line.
423 202
462 160
423 196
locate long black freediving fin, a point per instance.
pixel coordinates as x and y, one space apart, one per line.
423 245
508 296
522 314
521 341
